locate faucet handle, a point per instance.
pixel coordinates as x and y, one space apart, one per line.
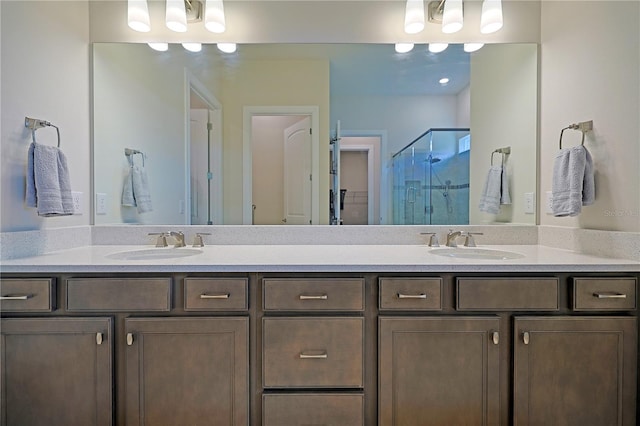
433 239
161 241
198 241
469 241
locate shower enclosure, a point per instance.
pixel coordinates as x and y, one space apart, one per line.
431 179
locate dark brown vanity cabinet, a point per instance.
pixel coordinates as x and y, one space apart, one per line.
56 371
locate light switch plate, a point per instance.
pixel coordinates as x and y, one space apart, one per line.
529 203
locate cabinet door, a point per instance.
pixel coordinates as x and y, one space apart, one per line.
187 371
439 371
56 371
575 371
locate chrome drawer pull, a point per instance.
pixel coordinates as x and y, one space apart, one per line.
412 296
318 297
495 337
129 339
215 296
10 297
612 295
98 338
525 337
313 356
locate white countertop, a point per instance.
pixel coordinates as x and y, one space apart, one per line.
314 258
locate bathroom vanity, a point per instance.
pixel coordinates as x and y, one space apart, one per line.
377 338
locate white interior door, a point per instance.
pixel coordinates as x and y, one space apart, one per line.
297 173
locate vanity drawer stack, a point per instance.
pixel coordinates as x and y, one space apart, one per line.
313 351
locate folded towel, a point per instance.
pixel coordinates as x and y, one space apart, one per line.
48 181
127 190
491 194
573 183
141 189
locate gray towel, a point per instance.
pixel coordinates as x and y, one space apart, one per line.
573 183
141 189
48 181
491 194
127 190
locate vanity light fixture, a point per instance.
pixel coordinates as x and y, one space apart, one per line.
227 47
452 19
192 47
404 47
472 47
414 17
160 47
437 47
138 16
491 18
176 16
214 16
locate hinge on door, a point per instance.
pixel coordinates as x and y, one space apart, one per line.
310 177
310 131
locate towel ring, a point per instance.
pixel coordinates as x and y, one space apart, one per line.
572 127
497 152
33 134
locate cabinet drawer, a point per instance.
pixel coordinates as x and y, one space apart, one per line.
215 294
604 294
329 294
411 294
313 409
478 294
118 294
27 295
313 352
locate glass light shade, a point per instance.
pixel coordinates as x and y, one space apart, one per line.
214 16
404 47
491 18
160 47
227 47
472 47
138 16
414 17
192 47
176 16
452 18
437 47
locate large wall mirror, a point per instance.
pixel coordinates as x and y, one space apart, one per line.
250 137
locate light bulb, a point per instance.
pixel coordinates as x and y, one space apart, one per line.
138 16
160 47
414 17
214 16
176 16
227 47
452 18
404 47
491 18
192 47
472 47
437 47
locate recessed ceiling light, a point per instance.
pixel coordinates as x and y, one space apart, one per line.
443 80
404 47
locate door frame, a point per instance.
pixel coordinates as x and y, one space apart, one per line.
215 199
247 155
369 149
385 163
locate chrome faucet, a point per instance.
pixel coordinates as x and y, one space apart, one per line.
179 237
451 237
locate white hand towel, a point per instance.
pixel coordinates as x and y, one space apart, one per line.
48 181
490 198
505 197
127 190
573 182
141 190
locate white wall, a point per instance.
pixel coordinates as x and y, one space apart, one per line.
504 113
590 63
45 75
463 110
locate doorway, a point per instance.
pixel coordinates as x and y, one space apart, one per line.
280 165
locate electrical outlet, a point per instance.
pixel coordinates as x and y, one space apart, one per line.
77 202
529 203
549 202
101 203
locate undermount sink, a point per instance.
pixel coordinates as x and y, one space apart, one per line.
476 253
155 253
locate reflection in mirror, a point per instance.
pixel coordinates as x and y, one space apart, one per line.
160 103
